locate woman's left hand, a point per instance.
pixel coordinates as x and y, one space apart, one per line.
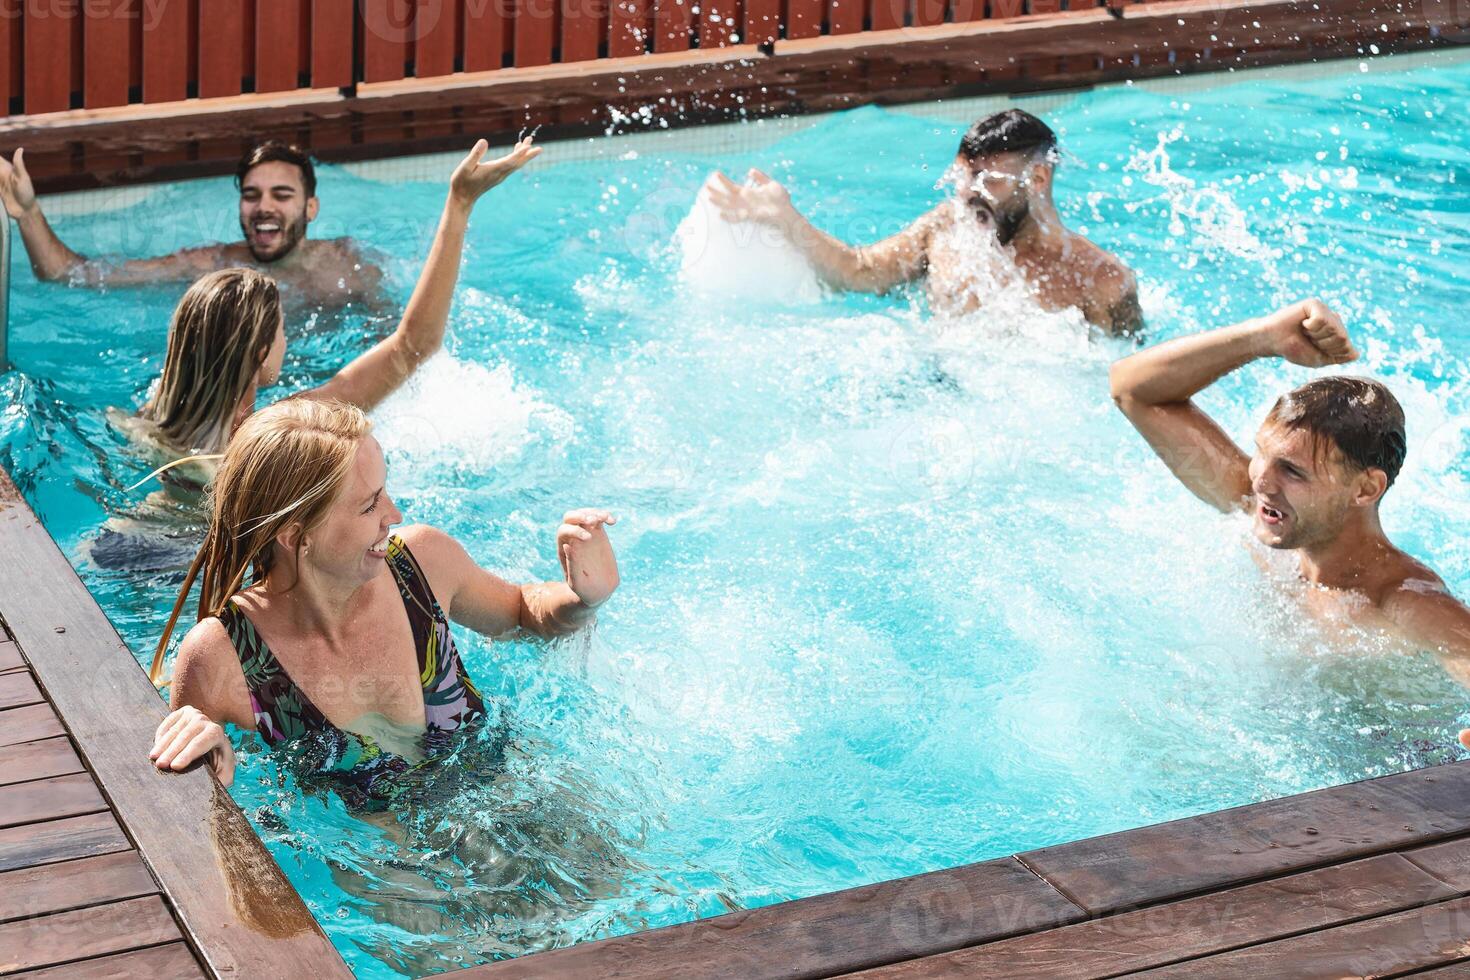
586 555
473 178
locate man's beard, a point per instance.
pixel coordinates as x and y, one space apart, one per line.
1007 223
291 236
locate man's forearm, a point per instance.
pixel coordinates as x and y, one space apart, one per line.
49 255
1177 370
838 264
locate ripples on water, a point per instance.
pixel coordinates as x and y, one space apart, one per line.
900 591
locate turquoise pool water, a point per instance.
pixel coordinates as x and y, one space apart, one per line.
899 593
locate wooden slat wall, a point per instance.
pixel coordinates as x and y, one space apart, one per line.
106 53
386 28
56 55
221 51
279 44
331 43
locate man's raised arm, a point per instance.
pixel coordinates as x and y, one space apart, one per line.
875 268
1154 387
52 259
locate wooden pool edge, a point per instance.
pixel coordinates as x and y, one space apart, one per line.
235 908
1384 863
83 149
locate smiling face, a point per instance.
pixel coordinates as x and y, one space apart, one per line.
351 542
274 209
1303 497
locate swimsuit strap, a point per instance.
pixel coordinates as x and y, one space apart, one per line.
450 696
282 710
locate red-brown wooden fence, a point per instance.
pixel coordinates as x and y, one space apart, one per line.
73 54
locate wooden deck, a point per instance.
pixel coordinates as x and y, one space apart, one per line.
76 898
1371 879
108 867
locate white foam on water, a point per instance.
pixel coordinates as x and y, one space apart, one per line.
462 414
741 260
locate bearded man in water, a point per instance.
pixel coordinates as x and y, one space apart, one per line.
1004 171
277 184
1324 457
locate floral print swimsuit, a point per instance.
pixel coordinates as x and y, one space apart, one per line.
285 715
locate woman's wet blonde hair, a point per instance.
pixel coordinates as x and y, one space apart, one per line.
285 465
221 333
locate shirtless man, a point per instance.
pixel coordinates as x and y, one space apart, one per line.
1004 168
277 201
1324 457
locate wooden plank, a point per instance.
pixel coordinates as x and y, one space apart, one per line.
106 48
10 658
70 885
331 43
887 15
804 18
221 52
1449 861
11 52
1195 927
436 37
48 799
845 16
628 27
45 940
1153 864
1006 8
172 961
278 43
47 38
1455 971
1385 946
822 936
28 724
18 689
60 840
38 760
929 12
165 49
673 22
719 21
762 21
243 915
387 30
486 35
534 32
582 29
966 10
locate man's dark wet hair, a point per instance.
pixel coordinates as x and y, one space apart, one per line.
1358 417
1012 131
274 151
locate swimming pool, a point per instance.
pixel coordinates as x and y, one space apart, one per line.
899 593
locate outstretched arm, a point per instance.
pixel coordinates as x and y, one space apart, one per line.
1154 389
378 373
52 259
488 604
875 268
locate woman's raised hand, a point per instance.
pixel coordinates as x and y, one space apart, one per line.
186 735
586 555
473 177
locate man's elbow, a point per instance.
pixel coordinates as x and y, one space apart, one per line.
1121 391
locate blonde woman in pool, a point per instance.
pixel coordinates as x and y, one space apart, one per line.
321 628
